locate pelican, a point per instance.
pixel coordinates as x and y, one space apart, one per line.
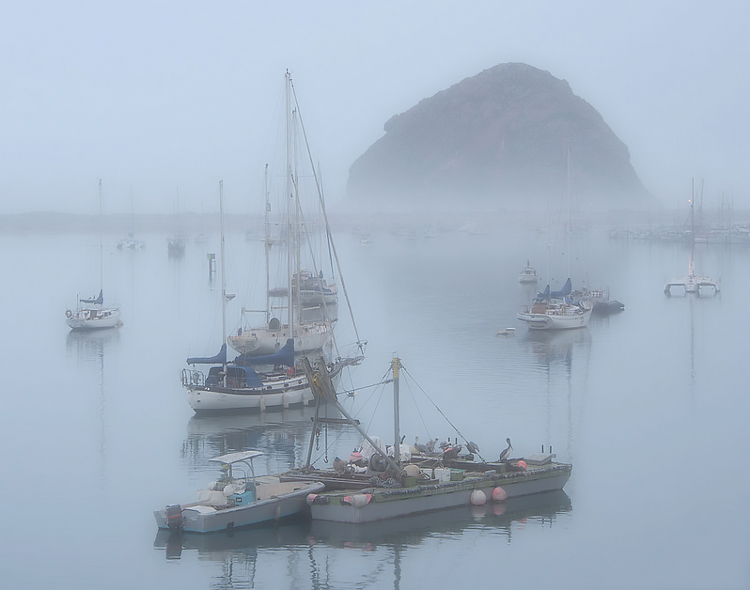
431 445
420 448
506 452
339 464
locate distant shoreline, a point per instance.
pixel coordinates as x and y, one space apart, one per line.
190 224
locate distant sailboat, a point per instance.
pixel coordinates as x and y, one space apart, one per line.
92 314
692 283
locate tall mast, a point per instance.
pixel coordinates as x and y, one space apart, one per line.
101 245
223 280
290 193
567 198
267 244
397 434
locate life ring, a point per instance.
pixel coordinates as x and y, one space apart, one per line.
68 313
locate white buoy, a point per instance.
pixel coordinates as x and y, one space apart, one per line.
360 500
499 494
478 498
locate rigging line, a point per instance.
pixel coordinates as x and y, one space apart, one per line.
413 399
327 315
325 214
436 406
353 389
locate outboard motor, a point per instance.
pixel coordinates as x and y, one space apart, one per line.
175 521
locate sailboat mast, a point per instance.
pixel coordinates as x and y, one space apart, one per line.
101 242
567 198
290 193
396 425
223 280
267 244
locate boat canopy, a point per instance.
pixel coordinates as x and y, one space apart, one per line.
220 358
98 301
238 377
284 356
230 458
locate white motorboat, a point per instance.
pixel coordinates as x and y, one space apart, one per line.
238 498
528 274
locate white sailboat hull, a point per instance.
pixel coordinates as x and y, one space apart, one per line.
93 319
263 340
564 320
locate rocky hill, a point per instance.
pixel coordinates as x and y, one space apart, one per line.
500 138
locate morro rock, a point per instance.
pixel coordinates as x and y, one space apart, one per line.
509 136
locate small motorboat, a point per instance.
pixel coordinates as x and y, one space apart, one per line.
506 332
238 498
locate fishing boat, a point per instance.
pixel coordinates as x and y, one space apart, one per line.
528 274
304 287
399 484
255 383
238 498
91 313
556 310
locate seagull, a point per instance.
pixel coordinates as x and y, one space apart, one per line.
506 452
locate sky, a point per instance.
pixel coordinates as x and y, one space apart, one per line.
161 99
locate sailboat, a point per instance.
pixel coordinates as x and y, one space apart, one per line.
558 310
256 383
692 283
91 313
304 287
399 483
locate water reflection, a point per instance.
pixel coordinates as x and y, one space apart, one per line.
284 436
553 347
310 550
92 346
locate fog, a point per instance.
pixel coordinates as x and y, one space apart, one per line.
162 100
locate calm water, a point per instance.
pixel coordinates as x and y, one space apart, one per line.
650 405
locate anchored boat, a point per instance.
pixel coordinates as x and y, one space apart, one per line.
238 498
399 484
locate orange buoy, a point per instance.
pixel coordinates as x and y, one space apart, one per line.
499 494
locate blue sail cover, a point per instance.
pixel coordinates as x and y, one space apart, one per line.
220 358
564 292
285 356
99 300
543 294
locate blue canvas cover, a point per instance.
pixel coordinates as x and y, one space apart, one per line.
98 301
564 292
543 294
285 356
220 358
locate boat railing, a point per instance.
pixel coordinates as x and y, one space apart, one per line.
193 377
